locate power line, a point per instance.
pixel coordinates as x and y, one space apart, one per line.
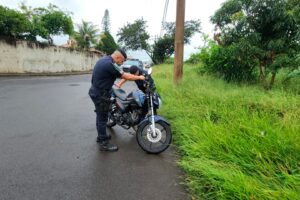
164 18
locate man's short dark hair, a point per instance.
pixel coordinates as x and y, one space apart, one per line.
133 69
123 53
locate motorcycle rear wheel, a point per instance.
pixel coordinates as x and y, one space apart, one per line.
154 144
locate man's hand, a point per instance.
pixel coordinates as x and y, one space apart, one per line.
120 83
142 77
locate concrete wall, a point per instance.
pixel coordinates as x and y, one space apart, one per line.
28 57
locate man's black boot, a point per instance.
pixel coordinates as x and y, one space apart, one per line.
108 138
106 146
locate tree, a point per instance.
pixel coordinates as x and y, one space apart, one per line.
27 10
270 29
190 28
107 43
47 22
293 8
135 37
56 23
13 23
29 23
87 35
106 22
164 47
52 21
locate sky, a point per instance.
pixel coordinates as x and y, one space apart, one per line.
122 12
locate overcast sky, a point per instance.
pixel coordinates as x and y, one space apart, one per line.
122 12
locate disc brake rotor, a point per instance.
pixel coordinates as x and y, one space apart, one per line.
154 138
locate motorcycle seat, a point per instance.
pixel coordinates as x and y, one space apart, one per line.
121 94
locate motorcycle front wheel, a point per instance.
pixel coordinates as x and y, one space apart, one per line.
157 142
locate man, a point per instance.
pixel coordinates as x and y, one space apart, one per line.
140 83
105 72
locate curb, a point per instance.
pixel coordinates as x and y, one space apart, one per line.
45 74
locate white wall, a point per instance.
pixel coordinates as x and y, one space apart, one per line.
27 57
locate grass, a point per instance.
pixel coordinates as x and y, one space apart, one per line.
235 141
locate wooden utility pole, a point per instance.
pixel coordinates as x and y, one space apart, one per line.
179 41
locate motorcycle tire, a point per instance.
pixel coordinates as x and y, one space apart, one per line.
158 143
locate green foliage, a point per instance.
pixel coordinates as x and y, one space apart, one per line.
289 80
44 22
194 58
106 22
169 60
270 30
235 142
49 21
293 75
134 36
233 63
293 9
204 51
13 23
87 35
190 28
56 23
107 43
163 48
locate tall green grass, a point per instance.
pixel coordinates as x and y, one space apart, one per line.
235 141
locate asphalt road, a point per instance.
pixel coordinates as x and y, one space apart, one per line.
48 148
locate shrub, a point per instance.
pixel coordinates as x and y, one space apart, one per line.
233 63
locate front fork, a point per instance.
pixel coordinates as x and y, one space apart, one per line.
152 117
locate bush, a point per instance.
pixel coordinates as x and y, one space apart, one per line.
204 51
233 63
169 61
194 58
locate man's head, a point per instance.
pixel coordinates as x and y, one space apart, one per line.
134 70
119 56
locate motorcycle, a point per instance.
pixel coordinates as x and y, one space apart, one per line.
138 110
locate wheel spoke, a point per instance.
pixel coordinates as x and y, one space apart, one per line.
162 130
150 145
160 141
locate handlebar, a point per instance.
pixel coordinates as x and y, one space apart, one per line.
149 83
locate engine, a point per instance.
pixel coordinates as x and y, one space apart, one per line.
127 118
